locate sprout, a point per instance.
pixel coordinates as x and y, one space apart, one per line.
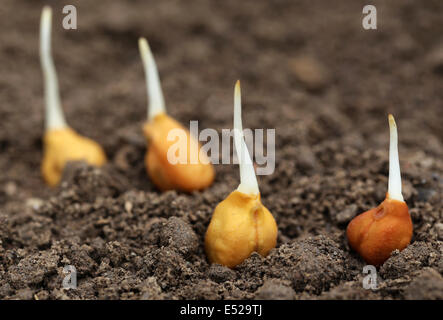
375 233
61 144
54 115
240 224
188 176
394 185
248 180
156 103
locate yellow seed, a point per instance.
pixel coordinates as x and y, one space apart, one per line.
63 145
239 226
179 176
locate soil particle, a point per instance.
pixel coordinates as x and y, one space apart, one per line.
178 235
347 214
219 273
117 252
310 72
79 256
24 294
150 290
427 285
435 60
439 230
85 182
42 295
350 290
295 262
35 232
275 289
33 269
4 229
406 46
169 267
203 290
417 255
425 194
306 160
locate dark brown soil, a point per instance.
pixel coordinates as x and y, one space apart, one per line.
308 69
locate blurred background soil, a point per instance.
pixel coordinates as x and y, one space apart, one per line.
308 69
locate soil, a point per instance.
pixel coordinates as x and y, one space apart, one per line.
308 69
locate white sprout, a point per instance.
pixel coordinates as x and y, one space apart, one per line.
248 180
394 185
156 103
53 112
